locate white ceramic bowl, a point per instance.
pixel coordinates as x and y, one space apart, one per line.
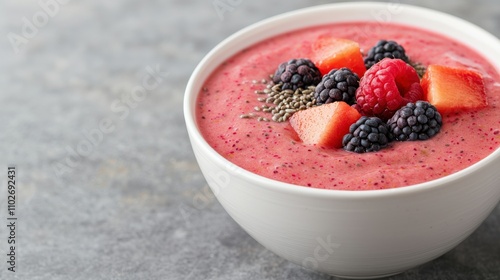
363 234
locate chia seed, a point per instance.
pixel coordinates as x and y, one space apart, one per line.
281 104
419 68
287 101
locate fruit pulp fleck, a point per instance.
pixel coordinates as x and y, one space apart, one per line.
273 150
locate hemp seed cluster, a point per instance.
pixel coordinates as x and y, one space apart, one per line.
282 103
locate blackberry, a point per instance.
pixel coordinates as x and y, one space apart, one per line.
337 85
297 73
385 49
415 121
368 134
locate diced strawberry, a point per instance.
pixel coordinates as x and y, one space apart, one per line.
452 89
334 53
324 125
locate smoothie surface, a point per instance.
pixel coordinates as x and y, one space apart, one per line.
273 150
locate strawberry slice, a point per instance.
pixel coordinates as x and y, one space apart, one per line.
324 125
334 53
452 89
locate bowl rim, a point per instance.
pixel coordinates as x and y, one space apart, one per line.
259 181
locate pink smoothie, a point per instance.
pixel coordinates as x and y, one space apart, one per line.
273 150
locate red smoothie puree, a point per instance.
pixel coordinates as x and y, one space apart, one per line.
273 150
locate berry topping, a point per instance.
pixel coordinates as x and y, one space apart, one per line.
415 121
334 53
368 134
297 73
385 49
338 85
386 87
454 89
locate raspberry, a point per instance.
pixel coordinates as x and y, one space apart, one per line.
297 73
383 49
337 85
415 121
387 86
368 134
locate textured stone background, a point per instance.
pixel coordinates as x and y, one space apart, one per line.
136 206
